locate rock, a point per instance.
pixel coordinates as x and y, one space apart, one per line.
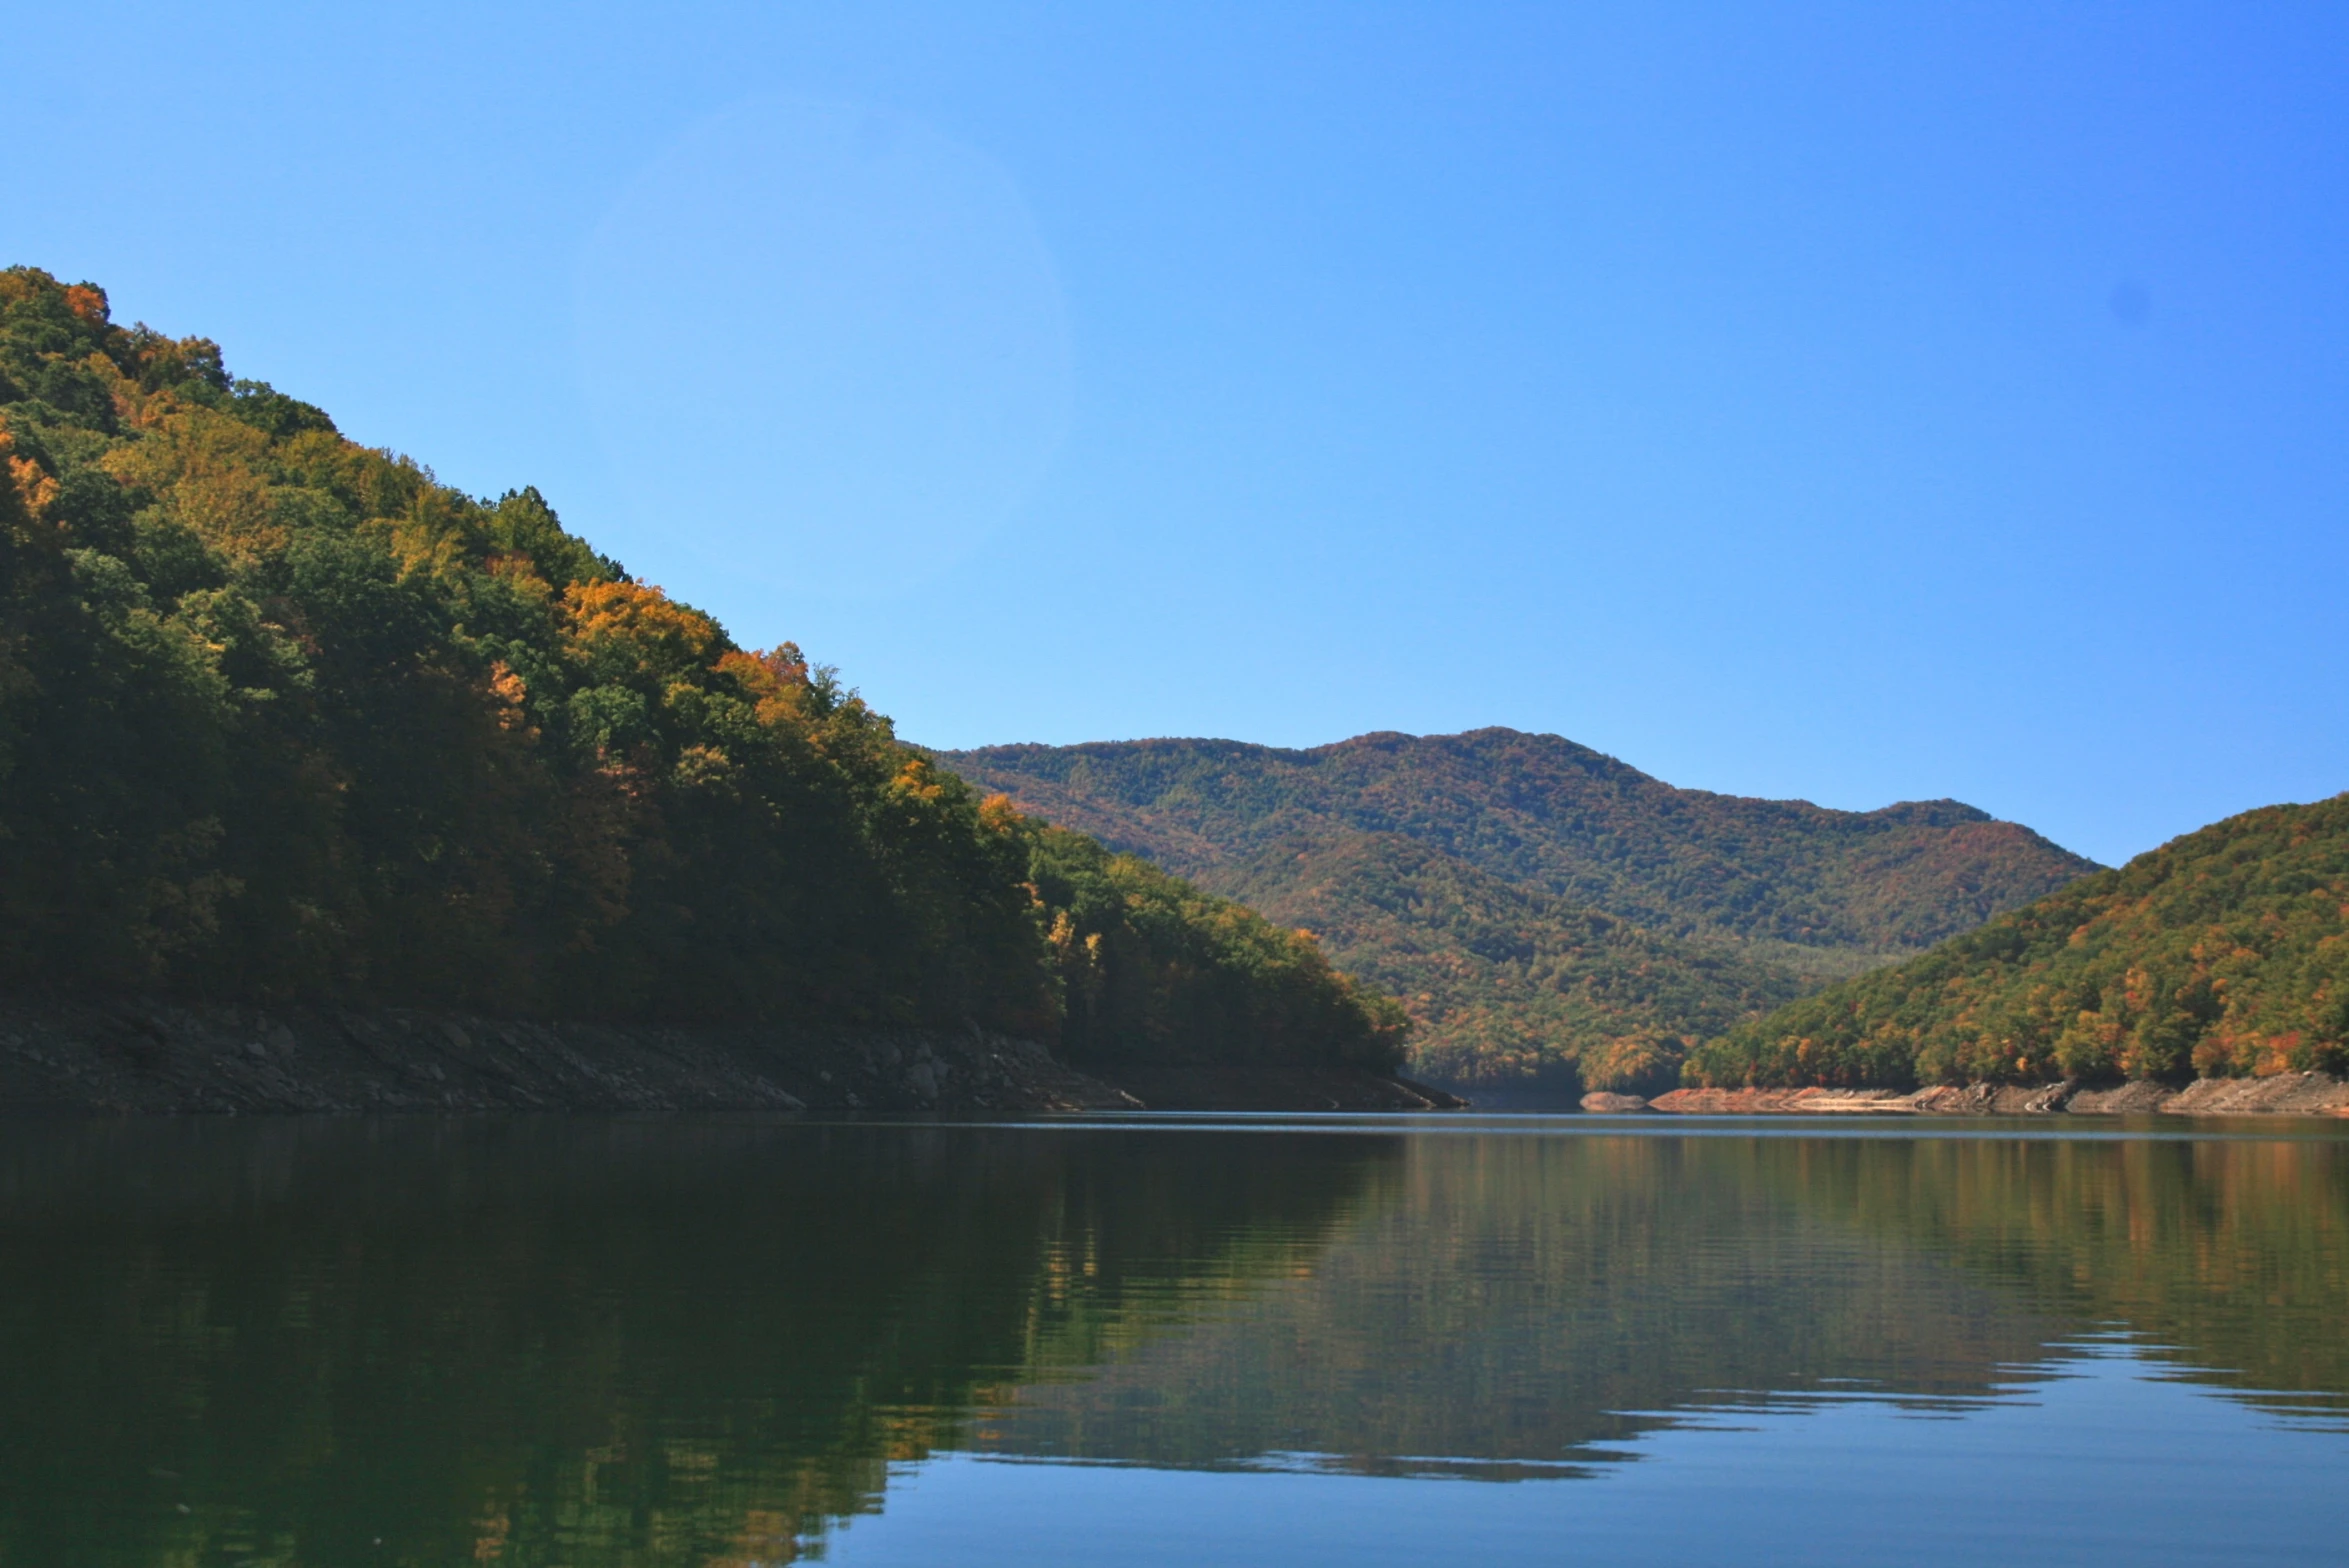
2049 1099
1784 1102
2285 1094
1269 1089
1604 1104
923 1075
220 1060
2128 1099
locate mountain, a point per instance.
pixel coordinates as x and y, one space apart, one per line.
1552 916
2223 953
284 718
1498 975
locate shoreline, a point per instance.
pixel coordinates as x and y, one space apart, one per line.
1275 1089
134 1055
2284 1094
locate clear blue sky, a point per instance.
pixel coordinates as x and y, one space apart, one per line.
1857 402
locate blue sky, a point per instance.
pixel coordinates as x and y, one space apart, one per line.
1858 402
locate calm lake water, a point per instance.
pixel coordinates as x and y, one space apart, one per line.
1469 1339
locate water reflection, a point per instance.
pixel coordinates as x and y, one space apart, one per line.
708 1342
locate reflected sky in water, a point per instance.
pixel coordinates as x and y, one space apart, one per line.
721 1341
2097 1462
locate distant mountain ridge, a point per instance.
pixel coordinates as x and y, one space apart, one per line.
1543 811
1543 907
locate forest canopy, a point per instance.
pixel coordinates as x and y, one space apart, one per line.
282 716
1554 919
2224 953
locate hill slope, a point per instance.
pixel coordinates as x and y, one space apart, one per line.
2225 952
1544 812
1509 985
282 717
1546 910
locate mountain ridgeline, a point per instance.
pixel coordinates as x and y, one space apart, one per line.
2224 953
1554 918
282 717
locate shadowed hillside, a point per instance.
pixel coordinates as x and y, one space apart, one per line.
283 718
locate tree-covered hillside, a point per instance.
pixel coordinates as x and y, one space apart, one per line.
1549 913
1542 811
282 716
2223 953
1508 985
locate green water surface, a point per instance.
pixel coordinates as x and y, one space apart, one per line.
1488 1339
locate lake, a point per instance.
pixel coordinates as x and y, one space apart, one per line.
1478 1339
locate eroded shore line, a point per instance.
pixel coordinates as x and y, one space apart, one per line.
2285 1094
141 1055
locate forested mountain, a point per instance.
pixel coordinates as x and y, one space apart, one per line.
2223 953
1502 975
1551 915
283 717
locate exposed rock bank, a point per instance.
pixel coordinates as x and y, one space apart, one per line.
1276 1089
138 1055
133 1055
2286 1094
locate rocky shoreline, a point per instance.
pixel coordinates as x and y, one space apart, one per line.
140 1055
1277 1089
136 1055
2285 1094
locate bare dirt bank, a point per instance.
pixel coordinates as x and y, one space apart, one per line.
140 1055
2286 1094
1276 1089
135 1055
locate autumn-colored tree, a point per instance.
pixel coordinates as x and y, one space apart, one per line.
282 716
1553 919
2224 953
